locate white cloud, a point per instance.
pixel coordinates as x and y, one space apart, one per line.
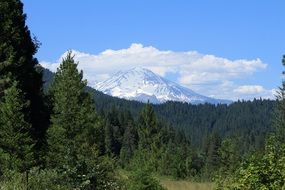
249 89
207 74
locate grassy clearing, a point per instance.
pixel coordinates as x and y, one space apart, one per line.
172 184
185 185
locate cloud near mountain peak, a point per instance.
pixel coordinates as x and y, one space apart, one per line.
201 72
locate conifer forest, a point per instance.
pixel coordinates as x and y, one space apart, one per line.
58 133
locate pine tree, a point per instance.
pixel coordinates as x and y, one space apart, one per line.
280 116
213 155
73 114
72 151
16 145
113 133
17 62
148 127
109 139
130 143
150 138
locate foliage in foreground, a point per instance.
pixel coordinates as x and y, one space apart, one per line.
72 142
16 145
142 179
265 171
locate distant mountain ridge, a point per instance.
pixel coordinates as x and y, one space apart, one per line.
143 85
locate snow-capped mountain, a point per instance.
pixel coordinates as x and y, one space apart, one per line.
142 85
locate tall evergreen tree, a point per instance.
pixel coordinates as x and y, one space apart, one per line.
16 145
110 144
73 114
17 62
130 142
113 133
72 151
150 138
213 154
148 126
280 117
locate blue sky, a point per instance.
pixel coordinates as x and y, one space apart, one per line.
233 30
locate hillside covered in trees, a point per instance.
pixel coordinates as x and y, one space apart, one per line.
248 120
58 133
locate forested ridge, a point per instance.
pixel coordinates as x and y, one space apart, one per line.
248 120
58 133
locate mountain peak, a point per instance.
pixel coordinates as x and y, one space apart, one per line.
142 85
138 70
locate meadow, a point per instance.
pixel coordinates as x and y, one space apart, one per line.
185 185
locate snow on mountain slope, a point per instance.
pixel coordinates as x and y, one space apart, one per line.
142 85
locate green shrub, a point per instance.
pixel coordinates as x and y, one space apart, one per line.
11 180
37 180
142 179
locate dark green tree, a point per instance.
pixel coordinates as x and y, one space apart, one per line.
16 144
113 133
148 127
110 144
67 119
280 115
176 161
73 114
150 139
130 142
229 156
17 62
213 159
73 125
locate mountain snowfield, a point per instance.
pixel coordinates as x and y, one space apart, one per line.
143 85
